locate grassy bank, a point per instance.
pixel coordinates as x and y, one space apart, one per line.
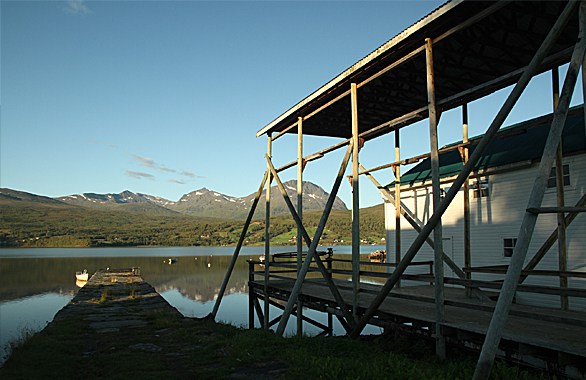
176 347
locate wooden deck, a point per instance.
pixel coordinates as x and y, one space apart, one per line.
534 336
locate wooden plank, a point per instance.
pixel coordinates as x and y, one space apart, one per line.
554 210
465 314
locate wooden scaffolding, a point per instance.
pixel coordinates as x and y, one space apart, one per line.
461 52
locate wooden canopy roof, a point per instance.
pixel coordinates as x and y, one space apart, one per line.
478 47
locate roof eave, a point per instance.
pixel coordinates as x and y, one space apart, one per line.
443 9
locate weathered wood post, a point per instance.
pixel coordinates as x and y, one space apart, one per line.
300 214
559 175
440 343
503 305
250 295
355 203
397 172
267 237
466 188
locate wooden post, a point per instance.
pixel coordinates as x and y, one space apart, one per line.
239 246
312 248
250 296
559 174
440 343
466 186
507 293
267 238
397 170
355 203
300 213
492 130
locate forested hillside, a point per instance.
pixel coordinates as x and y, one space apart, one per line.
26 223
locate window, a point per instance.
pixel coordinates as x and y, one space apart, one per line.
509 246
565 176
480 188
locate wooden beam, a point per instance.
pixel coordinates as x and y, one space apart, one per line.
549 242
554 210
355 203
300 165
499 317
397 170
267 237
466 187
440 342
559 170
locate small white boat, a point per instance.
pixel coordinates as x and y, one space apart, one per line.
82 276
171 261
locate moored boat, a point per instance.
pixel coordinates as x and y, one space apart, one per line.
82 276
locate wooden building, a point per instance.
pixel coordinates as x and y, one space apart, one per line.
498 189
459 53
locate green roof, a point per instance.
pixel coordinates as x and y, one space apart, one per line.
516 143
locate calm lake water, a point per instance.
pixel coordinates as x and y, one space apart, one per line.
36 283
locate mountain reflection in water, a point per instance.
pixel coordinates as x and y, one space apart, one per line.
191 276
33 290
36 283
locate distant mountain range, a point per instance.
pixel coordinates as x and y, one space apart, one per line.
202 202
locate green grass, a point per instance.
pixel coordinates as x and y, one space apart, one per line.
203 349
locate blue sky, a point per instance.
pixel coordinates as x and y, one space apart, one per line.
164 97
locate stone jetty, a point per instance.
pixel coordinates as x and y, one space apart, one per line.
119 327
114 299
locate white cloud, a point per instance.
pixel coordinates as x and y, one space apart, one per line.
77 7
139 175
177 181
145 161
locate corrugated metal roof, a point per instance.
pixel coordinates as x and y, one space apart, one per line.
479 47
517 143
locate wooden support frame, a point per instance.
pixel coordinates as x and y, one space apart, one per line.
503 306
528 73
311 252
550 241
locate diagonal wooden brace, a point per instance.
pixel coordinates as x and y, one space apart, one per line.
318 260
312 249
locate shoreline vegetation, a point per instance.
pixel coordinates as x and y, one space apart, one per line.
31 225
121 329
